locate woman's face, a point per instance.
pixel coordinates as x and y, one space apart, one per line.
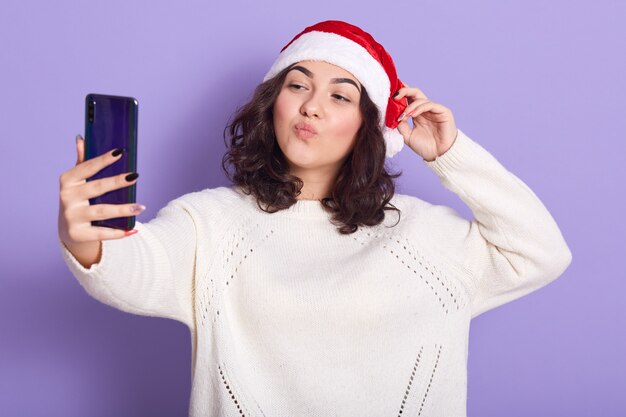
317 116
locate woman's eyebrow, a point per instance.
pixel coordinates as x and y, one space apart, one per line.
333 81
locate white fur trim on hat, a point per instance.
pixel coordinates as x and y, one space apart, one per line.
393 141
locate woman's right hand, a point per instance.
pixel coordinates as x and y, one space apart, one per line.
75 212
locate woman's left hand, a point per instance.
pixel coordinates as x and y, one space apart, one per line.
434 130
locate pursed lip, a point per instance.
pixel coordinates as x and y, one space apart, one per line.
305 126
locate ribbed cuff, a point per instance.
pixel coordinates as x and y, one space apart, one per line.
109 248
462 150
76 266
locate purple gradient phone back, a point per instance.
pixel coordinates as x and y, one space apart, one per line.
111 122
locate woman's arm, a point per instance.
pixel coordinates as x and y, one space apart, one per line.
512 247
150 273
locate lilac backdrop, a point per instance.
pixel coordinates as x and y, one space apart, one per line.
539 84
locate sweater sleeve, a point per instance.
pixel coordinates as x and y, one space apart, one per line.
512 246
149 273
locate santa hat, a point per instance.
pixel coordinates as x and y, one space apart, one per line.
351 48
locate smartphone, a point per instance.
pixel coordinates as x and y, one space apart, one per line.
111 122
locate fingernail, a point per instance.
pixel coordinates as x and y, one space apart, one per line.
397 92
130 232
78 137
132 177
401 117
117 151
137 208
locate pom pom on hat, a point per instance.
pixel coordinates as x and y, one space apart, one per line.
351 48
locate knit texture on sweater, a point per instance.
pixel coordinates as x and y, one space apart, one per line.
290 318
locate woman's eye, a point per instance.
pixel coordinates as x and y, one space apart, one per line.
341 98
301 87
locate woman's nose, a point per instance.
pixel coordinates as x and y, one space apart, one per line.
312 106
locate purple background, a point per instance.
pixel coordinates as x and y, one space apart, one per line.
540 85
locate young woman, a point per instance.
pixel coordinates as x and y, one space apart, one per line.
310 288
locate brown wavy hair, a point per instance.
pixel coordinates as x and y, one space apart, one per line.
362 188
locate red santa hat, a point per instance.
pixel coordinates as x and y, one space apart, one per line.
351 48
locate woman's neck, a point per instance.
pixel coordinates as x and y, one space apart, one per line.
316 184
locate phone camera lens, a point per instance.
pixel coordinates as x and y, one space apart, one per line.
91 111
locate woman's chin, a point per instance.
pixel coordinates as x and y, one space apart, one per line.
301 157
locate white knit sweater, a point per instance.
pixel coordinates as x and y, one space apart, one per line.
290 318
